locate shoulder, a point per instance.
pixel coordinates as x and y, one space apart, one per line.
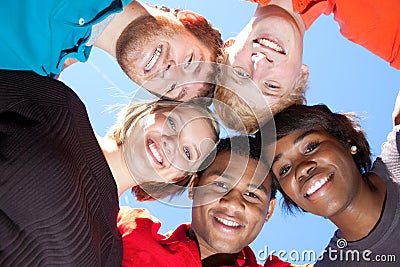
29 88
130 219
390 155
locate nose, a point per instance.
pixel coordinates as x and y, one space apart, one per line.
169 146
240 57
261 65
170 69
233 201
170 63
305 169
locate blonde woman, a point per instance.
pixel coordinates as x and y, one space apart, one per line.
59 186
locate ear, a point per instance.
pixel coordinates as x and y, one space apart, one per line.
305 72
189 17
193 182
229 42
271 209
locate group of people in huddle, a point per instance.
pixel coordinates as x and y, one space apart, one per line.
60 182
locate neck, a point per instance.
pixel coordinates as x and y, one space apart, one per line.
210 259
362 215
107 41
220 259
113 154
288 6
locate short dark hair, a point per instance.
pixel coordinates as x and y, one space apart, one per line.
243 145
342 126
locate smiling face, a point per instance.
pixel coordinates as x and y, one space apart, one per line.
269 51
184 81
317 172
167 144
229 206
150 47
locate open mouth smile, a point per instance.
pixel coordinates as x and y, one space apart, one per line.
271 45
317 185
228 222
153 148
153 59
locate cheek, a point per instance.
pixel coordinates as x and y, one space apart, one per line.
198 219
256 217
289 188
205 195
175 172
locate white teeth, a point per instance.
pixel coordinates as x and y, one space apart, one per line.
227 223
316 186
271 44
153 58
157 155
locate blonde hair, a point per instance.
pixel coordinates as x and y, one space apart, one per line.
237 115
128 118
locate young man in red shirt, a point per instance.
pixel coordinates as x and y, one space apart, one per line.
232 199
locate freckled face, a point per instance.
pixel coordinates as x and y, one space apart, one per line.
269 51
157 58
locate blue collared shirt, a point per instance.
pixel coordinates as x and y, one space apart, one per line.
40 35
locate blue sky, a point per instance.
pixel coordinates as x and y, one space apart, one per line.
343 75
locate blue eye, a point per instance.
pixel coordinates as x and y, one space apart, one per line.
188 62
187 152
171 123
241 74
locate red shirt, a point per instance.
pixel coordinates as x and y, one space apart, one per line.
372 24
143 246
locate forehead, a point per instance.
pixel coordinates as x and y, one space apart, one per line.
185 112
237 168
296 137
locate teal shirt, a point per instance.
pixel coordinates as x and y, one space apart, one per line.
39 35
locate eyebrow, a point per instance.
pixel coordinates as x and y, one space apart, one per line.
199 60
181 95
260 187
251 186
296 141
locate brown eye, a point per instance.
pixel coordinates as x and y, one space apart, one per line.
252 195
311 146
283 170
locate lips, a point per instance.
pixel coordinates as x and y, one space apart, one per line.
154 58
227 222
272 44
155 152
316 184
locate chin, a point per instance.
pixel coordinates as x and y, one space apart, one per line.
224 247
